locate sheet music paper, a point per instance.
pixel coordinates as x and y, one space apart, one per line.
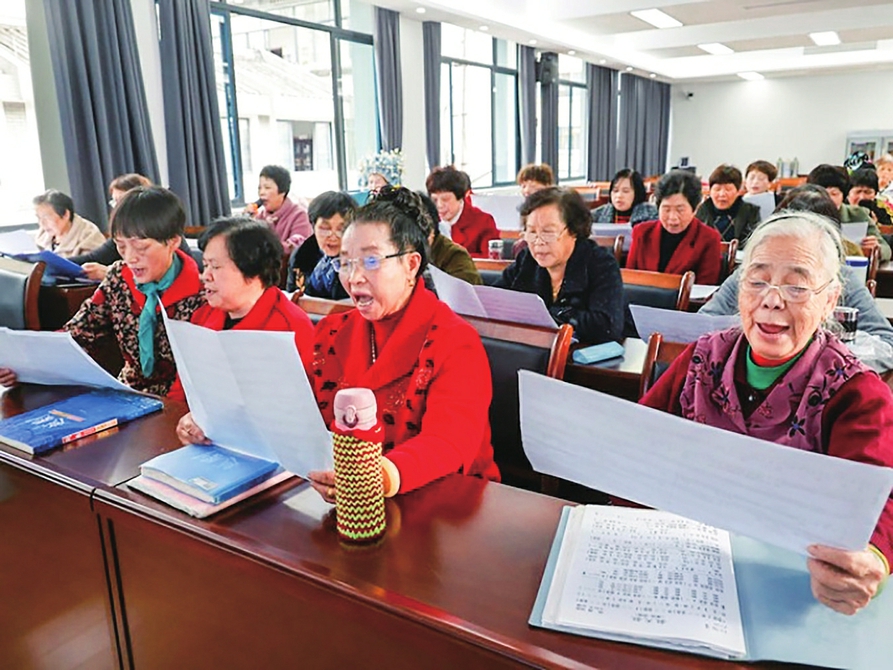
17 242
458 294
765 201
779 495
614 229
854 232
517 306
647 574
248 391
40 357
702 291
676 326
491 302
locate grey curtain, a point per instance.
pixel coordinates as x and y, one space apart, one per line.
197 169
388 78
602 83
102 103
549 117
431 47
527 102
644 124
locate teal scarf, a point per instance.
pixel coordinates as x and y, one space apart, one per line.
148 318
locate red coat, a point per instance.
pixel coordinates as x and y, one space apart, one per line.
272 311
856 425
431 379
700 250
474 230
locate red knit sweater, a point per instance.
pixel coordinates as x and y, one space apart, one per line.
272 311
431 380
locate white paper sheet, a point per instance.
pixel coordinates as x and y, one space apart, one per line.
40 357
515 306
614 229
17 242
248 392
765 201
458 294
676 326
854 232
782 496
702 291
503 207
491 302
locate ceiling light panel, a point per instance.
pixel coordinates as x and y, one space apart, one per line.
825 39
656 18
751 76
716 49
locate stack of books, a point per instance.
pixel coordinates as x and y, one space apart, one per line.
203 479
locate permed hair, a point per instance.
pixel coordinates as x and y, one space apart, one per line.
726 174
762 166
448 179
541 173
573 211
252 246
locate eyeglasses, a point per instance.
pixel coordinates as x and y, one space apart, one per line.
788 292
546 237
369 263
326 232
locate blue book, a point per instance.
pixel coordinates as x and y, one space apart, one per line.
775 612
56 266
67 420
208 472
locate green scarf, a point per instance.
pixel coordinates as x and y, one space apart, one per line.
148 318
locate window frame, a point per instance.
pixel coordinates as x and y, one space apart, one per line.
336 35
584 91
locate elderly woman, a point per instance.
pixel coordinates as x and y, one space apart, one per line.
461 221
147 226
724 210
445 254
577 279
629 201
426 366
61 230
287 219
534 177
311 267
242 259
758 177
782 377
677 242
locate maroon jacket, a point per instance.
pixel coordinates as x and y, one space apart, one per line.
700 250
474 230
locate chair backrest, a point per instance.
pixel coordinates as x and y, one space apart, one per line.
612 242
19 294
659 357
513 347
317 308
657 289
874 262
728 260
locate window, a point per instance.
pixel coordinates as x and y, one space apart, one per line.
295 90
479 106
572 101
22 178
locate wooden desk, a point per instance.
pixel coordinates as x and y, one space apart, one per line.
56 608
617 376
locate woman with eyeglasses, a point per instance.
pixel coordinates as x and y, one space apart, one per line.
783 377
242 259
677 241
147 227
426 366
577 279
310 266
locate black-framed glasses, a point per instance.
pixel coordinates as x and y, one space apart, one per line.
369 263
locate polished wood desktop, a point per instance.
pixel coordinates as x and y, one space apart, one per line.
617 376
133 583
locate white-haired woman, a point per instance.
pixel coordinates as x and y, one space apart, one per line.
783 377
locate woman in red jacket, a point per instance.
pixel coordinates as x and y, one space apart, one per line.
426 366
242 259
677 242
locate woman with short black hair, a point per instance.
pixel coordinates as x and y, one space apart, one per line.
61 230
629 201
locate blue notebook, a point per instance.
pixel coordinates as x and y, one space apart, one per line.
208 472
780 618
56 266
67 420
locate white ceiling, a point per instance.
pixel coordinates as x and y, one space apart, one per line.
768 36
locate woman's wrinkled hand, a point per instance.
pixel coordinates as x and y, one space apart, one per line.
845 581
324 483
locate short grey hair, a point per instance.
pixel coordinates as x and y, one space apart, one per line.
801 225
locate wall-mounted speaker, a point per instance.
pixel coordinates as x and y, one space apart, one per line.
547 72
